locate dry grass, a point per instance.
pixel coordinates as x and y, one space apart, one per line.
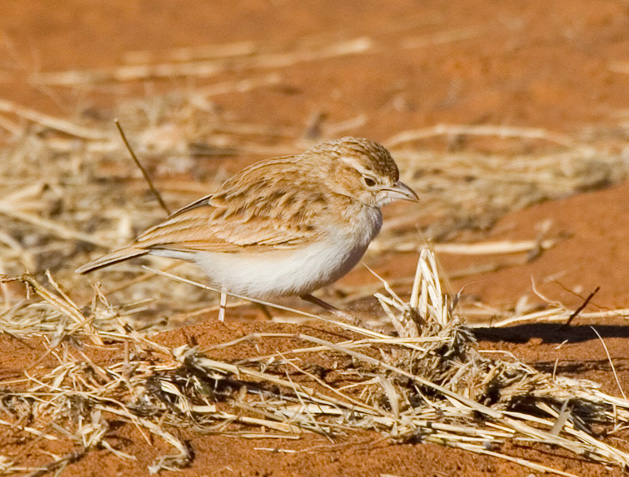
431 383
68 194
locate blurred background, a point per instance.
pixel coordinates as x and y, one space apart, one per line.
510 120
488 107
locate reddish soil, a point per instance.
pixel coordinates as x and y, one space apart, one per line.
534 64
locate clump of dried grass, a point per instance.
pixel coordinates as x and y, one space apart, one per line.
70 191
431 383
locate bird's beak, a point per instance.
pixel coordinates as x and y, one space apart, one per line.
401 191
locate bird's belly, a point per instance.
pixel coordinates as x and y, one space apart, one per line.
282 272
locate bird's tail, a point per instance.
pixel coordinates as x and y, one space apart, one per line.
111 258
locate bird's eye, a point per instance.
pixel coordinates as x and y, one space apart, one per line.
369 181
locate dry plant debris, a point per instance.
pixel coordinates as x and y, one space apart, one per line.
430 383
69 190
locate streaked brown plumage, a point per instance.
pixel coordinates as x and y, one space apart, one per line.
252 234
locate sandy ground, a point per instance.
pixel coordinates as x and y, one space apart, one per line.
562 66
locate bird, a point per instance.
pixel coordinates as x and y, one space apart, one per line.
285 226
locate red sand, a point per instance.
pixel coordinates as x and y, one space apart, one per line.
539 64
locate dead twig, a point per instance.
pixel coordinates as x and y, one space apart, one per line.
144 173
581 307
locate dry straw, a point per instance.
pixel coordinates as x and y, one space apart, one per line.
430 383
66 194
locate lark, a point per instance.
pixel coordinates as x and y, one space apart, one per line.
281 227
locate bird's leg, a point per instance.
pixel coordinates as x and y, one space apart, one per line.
264 309
222 306
326 306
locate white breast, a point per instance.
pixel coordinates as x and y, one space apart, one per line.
291 272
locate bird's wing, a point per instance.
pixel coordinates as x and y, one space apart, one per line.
258 217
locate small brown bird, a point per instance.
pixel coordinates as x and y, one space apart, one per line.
283 226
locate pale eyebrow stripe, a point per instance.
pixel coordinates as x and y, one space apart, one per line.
355 164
